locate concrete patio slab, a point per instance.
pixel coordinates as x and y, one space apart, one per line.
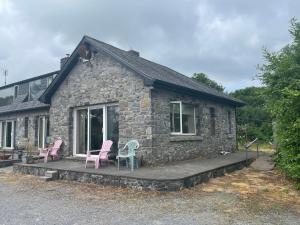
170 177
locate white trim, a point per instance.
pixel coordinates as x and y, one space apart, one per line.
44 124
104 126
74 131
1 141
88 129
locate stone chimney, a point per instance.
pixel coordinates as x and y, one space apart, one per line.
133 52
64 60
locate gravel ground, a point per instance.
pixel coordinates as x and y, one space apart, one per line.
27 200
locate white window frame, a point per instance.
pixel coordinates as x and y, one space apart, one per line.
104 108
44 121
180 110
3 141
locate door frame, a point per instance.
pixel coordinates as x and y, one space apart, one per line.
104 129
44 121
4 123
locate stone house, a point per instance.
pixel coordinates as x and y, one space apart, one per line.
102 92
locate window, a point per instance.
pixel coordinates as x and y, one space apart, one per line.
229 122
26 127
42 131
50 79
16 91
6 96
7 137
212 116
36 88
182 118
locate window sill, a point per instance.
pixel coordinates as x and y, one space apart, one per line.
175 138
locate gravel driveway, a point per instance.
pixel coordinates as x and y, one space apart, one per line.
27 200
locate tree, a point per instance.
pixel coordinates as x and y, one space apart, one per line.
254 121
203 78
281 76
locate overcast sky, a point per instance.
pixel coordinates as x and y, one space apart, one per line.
222 38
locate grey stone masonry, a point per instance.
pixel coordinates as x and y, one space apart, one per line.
168 147
103 80
19 119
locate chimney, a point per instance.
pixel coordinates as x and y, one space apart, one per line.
133 52
64 60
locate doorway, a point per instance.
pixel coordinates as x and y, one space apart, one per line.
93 125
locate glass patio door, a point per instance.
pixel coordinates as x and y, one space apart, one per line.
89 130
93 125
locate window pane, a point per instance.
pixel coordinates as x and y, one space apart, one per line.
175 117
188 119
41 132
8 134
26 127
6 96
81 138
37 87
96 128
212 121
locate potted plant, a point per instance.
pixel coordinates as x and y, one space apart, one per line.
29 157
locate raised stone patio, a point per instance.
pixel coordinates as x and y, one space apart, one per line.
170 177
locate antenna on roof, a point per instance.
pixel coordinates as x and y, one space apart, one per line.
5 75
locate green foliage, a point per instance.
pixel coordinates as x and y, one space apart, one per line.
281 75
253 120
202 78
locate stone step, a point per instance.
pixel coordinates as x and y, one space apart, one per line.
46 179
53 174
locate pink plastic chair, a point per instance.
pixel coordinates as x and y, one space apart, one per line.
103 154
51 151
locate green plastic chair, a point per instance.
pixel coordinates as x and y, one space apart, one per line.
131 147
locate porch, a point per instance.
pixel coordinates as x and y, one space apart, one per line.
170 177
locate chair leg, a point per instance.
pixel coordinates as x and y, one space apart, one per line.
132 164
85 163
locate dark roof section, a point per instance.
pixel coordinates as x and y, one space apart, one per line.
152 73
24 106
29 79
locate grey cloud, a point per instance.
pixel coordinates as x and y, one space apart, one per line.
221 38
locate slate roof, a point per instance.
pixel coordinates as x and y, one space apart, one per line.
23 106
152 72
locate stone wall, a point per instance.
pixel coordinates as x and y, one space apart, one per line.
20 124
103 80
167 147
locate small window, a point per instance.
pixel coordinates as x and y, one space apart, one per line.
182 118
212 116
26 127
229 122
16 91
49 80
